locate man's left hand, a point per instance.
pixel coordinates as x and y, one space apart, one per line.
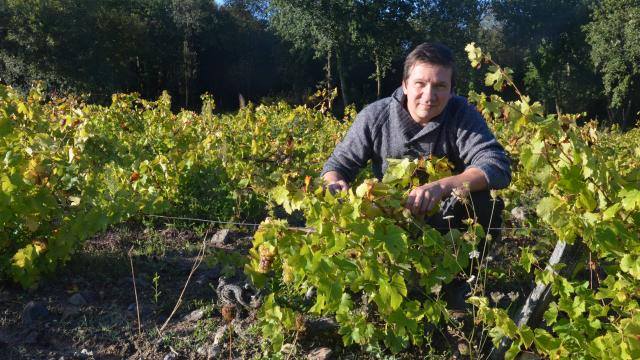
425 198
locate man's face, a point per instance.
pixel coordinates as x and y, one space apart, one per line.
428 89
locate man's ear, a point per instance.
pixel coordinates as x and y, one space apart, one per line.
404 87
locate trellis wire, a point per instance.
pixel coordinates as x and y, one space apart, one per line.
306 229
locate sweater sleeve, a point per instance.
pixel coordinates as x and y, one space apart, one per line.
479 148
353 152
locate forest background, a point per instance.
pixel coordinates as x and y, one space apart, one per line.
573 55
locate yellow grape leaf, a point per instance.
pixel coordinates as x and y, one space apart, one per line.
6 185
474 54
22 109
25 256
254 147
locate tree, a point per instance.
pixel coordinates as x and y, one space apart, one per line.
321 25
453 23
614 36
240 55
50 41
189 17
544 43
147 46
380 32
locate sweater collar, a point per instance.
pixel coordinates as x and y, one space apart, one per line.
401 119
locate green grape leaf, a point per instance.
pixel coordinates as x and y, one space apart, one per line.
587 200
394 240
573 308
551 314
390 294
527 336
399 170
399 318
277 340
527 258
496 77
545 342
345 304
400 290
531 156
513 351
571 179
631 264
5 126
320 304
611 211
550 209
630 199
280 195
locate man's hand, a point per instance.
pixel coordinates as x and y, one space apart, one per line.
337 186
425 198
334 182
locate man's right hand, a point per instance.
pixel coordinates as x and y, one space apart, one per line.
334 182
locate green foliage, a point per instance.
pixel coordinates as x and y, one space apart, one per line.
590 195
148 46
544 44
370 35
69 170
615 50
527 258
372 264
156 288
52 199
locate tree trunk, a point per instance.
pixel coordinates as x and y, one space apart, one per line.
343 80
626 116
378 75
185 60
610 116
328 69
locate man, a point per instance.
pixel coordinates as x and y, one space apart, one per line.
424 117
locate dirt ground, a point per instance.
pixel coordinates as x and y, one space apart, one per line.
88 310
90 305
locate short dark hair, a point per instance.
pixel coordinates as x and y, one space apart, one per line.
429 53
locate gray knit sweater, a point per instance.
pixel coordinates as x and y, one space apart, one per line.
385 129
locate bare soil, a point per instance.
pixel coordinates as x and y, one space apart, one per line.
92 312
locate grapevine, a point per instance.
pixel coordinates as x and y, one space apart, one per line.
589 191
372 265
69 170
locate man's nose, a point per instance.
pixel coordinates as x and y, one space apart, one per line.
428 92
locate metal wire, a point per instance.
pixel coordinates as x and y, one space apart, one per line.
202 220
306 229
